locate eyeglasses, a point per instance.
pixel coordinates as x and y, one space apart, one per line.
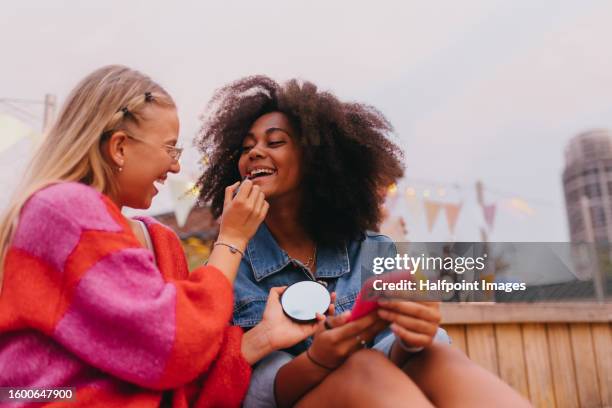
173 151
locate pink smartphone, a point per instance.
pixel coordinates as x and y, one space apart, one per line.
367 300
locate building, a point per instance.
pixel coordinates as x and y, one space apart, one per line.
587 183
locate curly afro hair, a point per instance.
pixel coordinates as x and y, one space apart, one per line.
347 156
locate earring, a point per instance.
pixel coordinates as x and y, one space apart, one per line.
120 168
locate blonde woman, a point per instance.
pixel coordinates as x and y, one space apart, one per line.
93 300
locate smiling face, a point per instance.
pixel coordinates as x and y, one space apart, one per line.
144 157
270 156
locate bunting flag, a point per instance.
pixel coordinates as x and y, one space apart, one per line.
17 143
13 131
432 208
452 213
432 196
13 162
489 214
184 197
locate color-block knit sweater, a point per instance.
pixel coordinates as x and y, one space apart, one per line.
83 304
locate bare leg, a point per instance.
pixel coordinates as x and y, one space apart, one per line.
366 379
450 379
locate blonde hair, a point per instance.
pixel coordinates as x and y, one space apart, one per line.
71 149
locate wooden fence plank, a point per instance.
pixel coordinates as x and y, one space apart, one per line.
457 334
602 340
537 360
586 368
510 357
562 365
464 313
481 345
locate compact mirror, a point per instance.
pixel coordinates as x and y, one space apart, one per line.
303 300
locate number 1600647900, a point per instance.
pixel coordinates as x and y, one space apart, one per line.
40 394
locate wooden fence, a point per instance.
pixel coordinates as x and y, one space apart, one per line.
556 355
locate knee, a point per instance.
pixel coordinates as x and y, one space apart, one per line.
368 365
445 352
373 377
442 356
366 358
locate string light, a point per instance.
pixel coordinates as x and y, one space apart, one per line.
392 190
521 205
192 189
460 187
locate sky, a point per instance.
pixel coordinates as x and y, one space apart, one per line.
485 90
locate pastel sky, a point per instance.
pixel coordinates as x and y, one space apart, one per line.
485 90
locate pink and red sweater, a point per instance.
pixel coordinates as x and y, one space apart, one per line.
84 305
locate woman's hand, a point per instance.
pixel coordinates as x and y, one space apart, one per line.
334 345
282 331
276 331
242 214
241 217
415 323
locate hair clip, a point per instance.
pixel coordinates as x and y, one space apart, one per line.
148 97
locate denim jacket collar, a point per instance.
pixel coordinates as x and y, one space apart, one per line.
267 257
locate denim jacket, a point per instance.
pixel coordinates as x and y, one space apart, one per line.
266 265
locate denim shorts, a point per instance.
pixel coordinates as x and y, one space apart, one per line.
261 388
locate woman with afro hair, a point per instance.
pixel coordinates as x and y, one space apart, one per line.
323 166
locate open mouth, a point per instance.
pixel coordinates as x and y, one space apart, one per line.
159 183
260 172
